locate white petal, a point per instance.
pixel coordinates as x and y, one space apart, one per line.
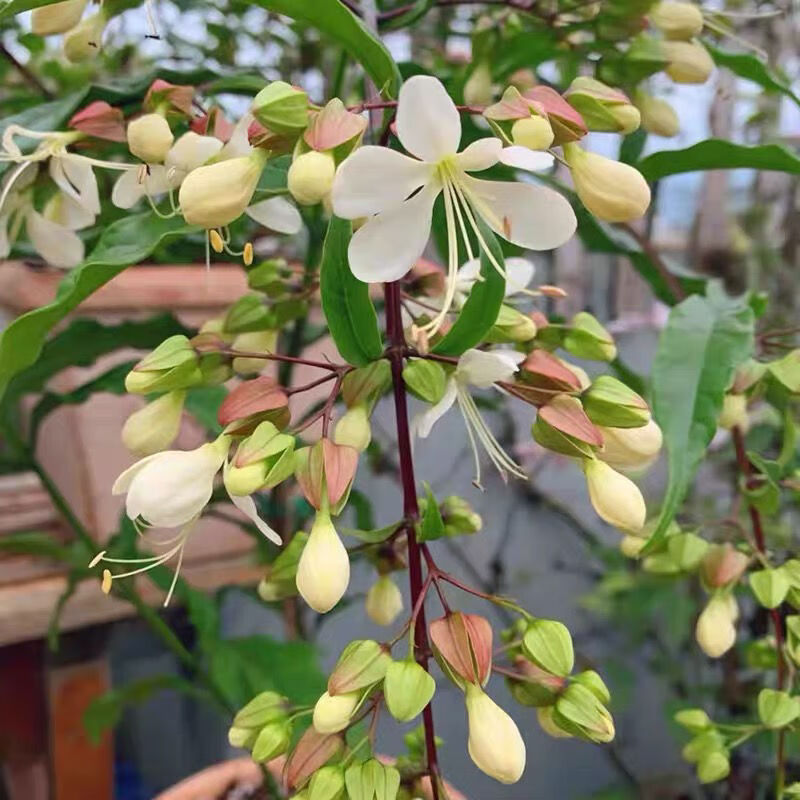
239 143
482 368
75 178
133 185
428 123
373 179
123 482
277 214
531 216
388 245
519 274
525 158
71 214
191 151
468 274
5 243
247 506
57 245
482 154
423 422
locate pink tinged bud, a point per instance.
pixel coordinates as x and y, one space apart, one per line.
57 17
566 414
325 472
150 138
253 402
722 565
542 375
463 647
567 123
715 630
161 92
512 106
101 120
312 752
333 127
214 123
495 743
324 569
363 663
615 498
333 713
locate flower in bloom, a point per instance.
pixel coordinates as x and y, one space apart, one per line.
481 369
397 193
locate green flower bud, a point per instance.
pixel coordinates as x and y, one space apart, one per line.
533 132
458 516
688 62
333 714
579 712
248 314
407 689
353 429
263 460
615 498
363 386
658 116
595 684
425 379
548 644
215 368
242 737
777 709
265 341
611 403
362 664
587 338
602 108
281 108
154 427
695 720
279 582
83 42
786 370
327 783
478 88
511 326
172 365
546 717
262 709
537 688
57 17
372 781
310 178
273 741
686 550
149 138
384 601
703 745
714 767
770 586
677 20
734 412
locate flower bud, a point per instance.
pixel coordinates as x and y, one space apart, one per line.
407 689
263 460
362 663
363 386
688 62
325 472
579 712
425 379
548 644
677 20
609 189
770 586
567 123
281 108
611 403
545 716
722 565
57 17
333 713
253 342
324 569
242 737
658 116
631 546
262 709
734 412
353 429
542 374
777 709
172 365
602 108
563 427
511 326
695 720
384 601
273 741
149 138
214 195
327 784
715 630
462 645
631 448
251 403
310 177
702 745
309 754
537 688
372 781
459 517
595 684
533 132
154 427
615 498
84 40
587 338
280 579
495 744
714 767
478 88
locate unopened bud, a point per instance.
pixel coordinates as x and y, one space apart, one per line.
324 569
715 630
353 429
478 88
688 62
658 116
280 579
407 688
722 565
310 177
677 20
537 687
609 189
770 586
595 684
242 737
615 498
695 720
533 132
84 40
611 403
548 644
281 108
333 713
253 402
214 195
425 379
384 601
273 741
631 448
57 17
511 326
327 784
734 412
459 517
602 108
372 781
363 386
462 645
545 716
567 123
263 460
172 365
630 546
495 744
154 427
309 754
263 708
149 138
362 663
587 338
581 713
253 342
714 767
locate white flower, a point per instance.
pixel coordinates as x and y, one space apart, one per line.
481 369
400 192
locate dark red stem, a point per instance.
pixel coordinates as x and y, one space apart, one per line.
394 328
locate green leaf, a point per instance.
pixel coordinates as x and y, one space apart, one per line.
123 243
777 709
719 154
706 338
336 21
350 314
41 545
483 304
749 66
375 536
203 403
431 525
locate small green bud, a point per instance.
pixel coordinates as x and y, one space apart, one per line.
384 601
595 684
281 108
263 460
602 108
770 586
425 379
407 688
787 371
548 644
579 712
695 720
703 745
363 386
546 717
610 402
539 688
248 314
362 663
459 517
172 365
734 412
265 341
262 709
273 741
714 767
280 580
353 429
587 338
777 709
511 326
372 781
327 783
478 88
242 737
83 42
686 550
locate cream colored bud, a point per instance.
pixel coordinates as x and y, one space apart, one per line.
689 62
534 133
353 429
631 448
615 498
150 138
154 427
715 630
631 546
677 20
216 194
544 715
658 116
333 714
84 40
734 412
628 116
495 744
609 189
478 88
324 569
384 601
253 342
310 177
57 17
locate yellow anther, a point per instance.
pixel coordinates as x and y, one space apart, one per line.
216 241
